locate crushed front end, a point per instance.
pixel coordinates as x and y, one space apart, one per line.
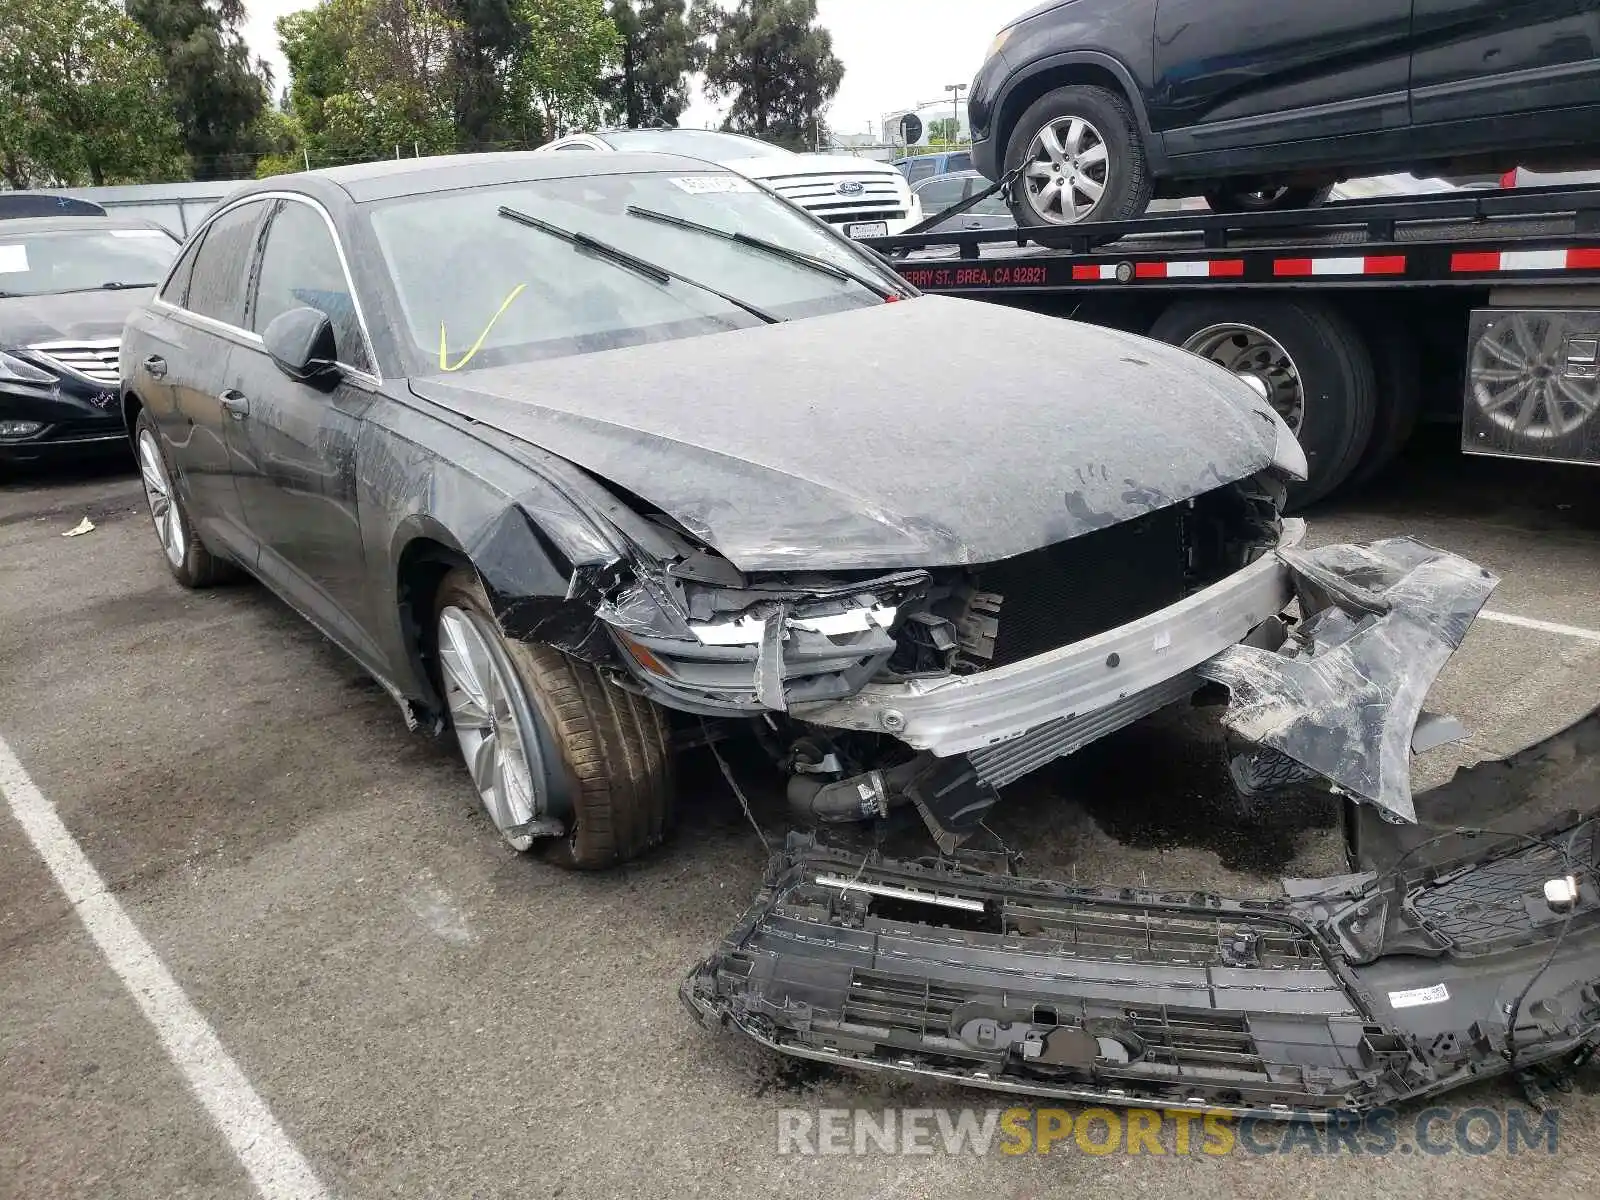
1350 993
939 686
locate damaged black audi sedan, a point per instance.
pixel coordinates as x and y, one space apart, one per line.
575 452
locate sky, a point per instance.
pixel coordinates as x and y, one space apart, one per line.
896 53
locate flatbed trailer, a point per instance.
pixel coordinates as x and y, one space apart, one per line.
1356 319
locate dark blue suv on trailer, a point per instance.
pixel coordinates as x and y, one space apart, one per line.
1107 103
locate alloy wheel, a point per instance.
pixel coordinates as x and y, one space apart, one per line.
1518 377
163 503
493 725
1258 358
1069 166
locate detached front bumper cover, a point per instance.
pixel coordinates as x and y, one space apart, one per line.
1346 994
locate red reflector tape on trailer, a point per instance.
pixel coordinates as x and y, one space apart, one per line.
1221 268
1582 259
1371 264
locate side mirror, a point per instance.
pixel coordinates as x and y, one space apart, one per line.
302 345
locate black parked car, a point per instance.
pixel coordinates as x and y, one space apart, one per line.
66 285
1105 103
556 445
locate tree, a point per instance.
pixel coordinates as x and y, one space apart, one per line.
775 62
656 51
491 36
217 92
946 132
85 96
400 80
367 76
556 77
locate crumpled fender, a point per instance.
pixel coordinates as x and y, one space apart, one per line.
1344 694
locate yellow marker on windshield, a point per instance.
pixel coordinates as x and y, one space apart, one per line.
444 357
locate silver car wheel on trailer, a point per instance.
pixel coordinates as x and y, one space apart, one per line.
1069 165
1258 358
1518 378
164 511
493 724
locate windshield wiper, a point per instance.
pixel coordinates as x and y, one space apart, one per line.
798 257
117 284
632 262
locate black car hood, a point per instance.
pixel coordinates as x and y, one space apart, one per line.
68 316
934 432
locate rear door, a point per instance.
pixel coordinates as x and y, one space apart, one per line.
197 332
1492 58
1239 73
297 475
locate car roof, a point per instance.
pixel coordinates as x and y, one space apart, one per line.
386 179
23 225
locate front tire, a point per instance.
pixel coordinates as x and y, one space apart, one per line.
186 557
1083 158
565 761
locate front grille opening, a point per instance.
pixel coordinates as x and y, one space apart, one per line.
1062 594
893 910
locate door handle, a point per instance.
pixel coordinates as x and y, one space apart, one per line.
237 404
156 366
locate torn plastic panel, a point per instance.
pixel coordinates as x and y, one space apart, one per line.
1344 695
1179 999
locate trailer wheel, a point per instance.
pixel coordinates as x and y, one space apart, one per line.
1314 363
1399 375
1083 160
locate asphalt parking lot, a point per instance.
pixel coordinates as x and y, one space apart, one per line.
426 1014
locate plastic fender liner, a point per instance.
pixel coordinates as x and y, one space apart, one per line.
1344 696
1177 999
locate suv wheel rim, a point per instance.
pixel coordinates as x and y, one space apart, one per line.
163 504
491 720
1519 381
1069 165
1258 358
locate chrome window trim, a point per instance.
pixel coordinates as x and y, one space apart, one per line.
249 336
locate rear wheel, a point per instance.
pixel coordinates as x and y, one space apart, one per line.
189 561
1225 199
1312 362
564 760
1083 159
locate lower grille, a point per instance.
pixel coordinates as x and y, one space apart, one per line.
1074 590
851 218
71 430
1502 901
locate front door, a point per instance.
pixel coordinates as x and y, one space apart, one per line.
297 477
1237 73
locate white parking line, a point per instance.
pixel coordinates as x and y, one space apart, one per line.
274 1165
1571 631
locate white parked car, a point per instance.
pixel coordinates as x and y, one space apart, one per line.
857 196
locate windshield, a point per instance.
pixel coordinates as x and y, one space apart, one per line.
479 288
695 143
80 260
